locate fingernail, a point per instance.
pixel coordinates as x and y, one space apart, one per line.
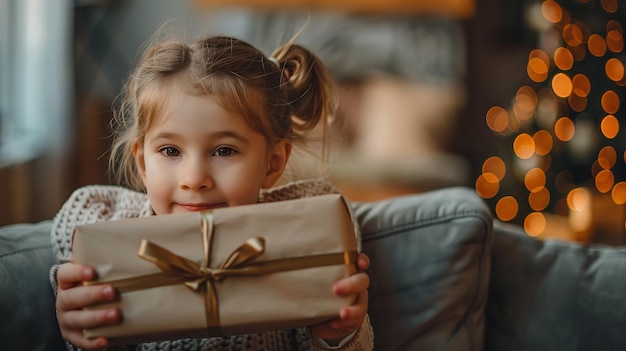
111 315
87 274
107 292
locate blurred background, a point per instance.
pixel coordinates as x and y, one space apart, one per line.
518 99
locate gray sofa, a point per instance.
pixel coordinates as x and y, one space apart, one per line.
444 276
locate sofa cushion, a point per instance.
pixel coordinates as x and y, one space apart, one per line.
430 269
26 299
554 295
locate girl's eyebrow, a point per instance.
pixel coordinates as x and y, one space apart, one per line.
215 135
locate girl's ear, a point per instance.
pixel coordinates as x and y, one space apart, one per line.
279 155
140 161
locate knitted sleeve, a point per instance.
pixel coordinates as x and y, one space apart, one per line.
91 204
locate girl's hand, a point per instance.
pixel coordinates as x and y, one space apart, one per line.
351 317
72 296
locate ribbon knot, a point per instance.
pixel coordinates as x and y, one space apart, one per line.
201 277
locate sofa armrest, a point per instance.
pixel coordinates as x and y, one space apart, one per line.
430 269
26 299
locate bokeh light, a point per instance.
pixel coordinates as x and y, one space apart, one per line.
538 65
605 180
539 198
618 194
577 103
552 11
535 223
607 157
609 6
596 45
564 129
610 102
534 178
507 208
497 119
561 85
572 34
543 142
614 69
615 41
524 146
578 199
609 126
563 58
487 185
495 165
581 85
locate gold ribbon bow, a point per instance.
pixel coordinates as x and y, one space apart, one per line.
200 277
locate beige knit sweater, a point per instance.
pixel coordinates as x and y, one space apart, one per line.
102 203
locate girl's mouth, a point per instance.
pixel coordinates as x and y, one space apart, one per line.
201 207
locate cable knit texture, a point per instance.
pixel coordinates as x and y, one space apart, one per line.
97 203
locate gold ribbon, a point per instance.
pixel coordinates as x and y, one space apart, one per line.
202 278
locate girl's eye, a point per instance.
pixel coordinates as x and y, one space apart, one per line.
224 151
170 151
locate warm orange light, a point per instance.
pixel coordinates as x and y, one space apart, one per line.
578 199
604 180
506 208
537 69
551 11
614 69
543 142
539 198
524 146
561 85
497 119
614 25
581 85
607 156
564 129
610 102
615 41
619 193
525 102
535 223
534 178
487 185
563 58
495 165
609 5
609 126
572 34
596 45
577 103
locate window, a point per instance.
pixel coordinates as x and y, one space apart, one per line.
34 77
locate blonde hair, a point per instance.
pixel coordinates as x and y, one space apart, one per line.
283 97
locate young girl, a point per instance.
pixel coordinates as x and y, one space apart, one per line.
206 125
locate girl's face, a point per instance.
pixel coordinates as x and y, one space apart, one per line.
202 156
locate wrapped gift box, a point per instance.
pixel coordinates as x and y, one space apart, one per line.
227 271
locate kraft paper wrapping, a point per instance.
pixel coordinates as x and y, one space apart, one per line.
318 227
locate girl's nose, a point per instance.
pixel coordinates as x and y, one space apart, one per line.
195 175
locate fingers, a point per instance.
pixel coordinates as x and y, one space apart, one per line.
363 262
76 338
70 275
352 285
71 299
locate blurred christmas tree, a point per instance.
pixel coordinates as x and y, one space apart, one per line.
563 144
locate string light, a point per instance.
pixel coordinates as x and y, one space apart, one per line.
569 109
